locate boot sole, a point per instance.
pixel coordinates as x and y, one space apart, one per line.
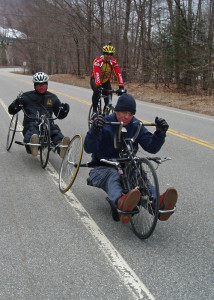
34 140
169 202
129 203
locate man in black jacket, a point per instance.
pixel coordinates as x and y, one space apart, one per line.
40 101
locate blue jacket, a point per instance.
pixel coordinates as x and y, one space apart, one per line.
102 145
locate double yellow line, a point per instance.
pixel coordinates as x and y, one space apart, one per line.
170 131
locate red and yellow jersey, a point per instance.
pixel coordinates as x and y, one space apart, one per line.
102 71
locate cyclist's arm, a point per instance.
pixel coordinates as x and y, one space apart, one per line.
14 107
150 142
60 110
91 142
118 74
96 72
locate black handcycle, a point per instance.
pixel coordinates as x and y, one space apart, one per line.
105 106
45 145
135 173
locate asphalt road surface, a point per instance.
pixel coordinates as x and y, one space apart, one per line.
55 246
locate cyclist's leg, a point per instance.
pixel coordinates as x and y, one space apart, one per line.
108 179
107 86
95 96
56 134
59 139
31 129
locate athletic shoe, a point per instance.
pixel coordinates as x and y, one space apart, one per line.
65 142
167 202
127 203
34 140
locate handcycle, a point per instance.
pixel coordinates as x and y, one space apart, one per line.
135 173
45 145
105 109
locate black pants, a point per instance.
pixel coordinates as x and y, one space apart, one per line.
96 94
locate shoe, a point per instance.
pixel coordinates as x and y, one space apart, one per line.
127 203
167 202
65 141
34 140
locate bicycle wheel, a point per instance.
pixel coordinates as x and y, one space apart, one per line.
71 163
11 131
90 116
144 222
44 140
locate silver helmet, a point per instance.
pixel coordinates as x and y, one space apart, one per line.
40 77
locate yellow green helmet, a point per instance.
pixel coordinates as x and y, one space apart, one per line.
108 49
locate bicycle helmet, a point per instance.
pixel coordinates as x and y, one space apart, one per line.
108 49
40 77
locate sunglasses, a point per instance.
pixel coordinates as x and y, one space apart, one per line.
111 54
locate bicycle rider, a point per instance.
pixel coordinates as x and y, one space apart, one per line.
99 141
103 66
42 101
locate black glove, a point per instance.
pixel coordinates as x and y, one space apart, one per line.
120 91
161 125
64 110
98 122
65 107
99 89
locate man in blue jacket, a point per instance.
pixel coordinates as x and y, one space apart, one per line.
100 142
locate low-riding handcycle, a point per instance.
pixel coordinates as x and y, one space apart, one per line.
135 173
45 145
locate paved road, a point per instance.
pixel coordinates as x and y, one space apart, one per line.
55 246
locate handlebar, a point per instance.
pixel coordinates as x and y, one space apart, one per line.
113 91
117 137
39 117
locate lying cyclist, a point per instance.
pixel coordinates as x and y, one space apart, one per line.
103 66
100 142
42 101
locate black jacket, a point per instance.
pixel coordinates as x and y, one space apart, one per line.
34 102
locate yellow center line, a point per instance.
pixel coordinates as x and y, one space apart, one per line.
170 131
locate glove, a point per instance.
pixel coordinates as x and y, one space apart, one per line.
99 89
161 125
64 111
65 107
120 91
98 122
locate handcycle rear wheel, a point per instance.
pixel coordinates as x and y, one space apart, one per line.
144 222
44 140
71 163
11 131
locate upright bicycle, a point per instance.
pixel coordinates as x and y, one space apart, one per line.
105 106
135 173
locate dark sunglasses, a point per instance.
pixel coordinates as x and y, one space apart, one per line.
111 54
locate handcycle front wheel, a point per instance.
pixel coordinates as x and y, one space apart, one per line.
144 222
11 131
71 163
45 145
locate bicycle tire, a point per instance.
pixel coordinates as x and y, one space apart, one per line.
99 112
144 222
44 140
90 116
70 163
11 131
